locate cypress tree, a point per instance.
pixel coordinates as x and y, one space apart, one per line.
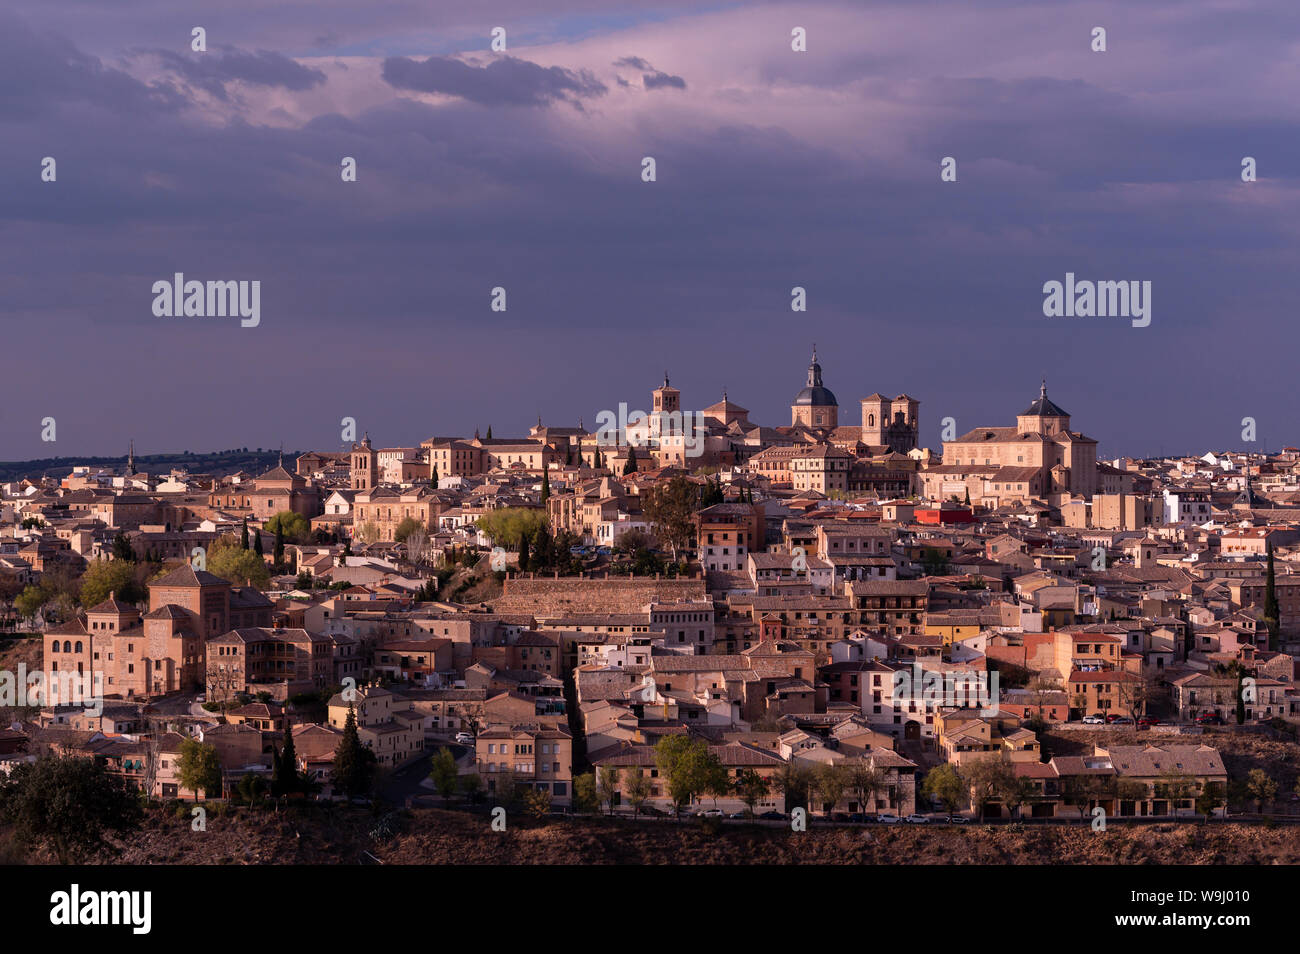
1272 614
122 548
353 762
284 777
278 553
434 477
546 484
630 466
243 540
489 433
257 543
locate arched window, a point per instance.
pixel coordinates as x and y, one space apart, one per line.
67 645
78 645
871 420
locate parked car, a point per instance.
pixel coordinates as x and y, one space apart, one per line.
1095 719
713 813
958 819
772 816
464 738
1209 718
1118 720
915 819
739 815
859 818
887 818
1148 720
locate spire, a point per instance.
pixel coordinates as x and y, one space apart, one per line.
281 453
814 371
130 459
666 377
1042 392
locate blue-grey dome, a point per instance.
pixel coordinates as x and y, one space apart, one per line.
814 395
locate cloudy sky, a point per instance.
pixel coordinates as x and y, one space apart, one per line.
522 170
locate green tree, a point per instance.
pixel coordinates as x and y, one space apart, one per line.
751 788
637 789
228 560
508 525
66 805
1212 797
933 562
1261 788
489 432
122 549
629 467
470 785
277 554
28 603
103 577
290 526
832 782
444 772
257 545
943 784
250 788
866 781
687 767
988 779
1272 614
285 781
243 537
407 527
354 763
505 792
586 797
671 507
543 549
608 778
795 782
546 484
433 477
199 768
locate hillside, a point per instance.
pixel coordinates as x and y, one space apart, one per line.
217 463
432 836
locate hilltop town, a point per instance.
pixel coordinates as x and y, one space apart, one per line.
679 613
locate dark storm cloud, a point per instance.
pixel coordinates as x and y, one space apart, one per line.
211 71
924 287
635 62
508 81
40 72
663 81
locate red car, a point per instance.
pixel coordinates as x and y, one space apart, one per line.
1148 720
1209 718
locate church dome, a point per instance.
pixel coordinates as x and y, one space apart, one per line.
1044 407
814 395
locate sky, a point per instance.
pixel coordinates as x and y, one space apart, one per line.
522 169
